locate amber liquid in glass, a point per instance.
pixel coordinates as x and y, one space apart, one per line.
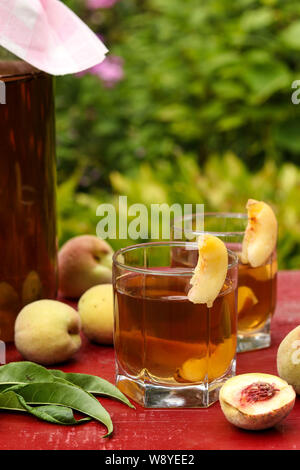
27 192
260 300
161 336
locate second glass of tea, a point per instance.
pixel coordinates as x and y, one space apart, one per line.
170 352
257 286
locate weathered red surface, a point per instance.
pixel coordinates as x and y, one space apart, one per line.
165 429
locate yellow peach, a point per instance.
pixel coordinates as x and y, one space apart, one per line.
47 332
288 359
95 308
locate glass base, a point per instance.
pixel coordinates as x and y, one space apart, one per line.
257 340
155 395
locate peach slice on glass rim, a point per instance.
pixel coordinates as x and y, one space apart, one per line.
261 234
256 401
210 272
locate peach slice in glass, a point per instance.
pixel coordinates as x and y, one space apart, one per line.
246 298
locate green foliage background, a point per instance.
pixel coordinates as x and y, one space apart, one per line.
202 115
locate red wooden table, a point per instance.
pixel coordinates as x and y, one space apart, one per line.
186 429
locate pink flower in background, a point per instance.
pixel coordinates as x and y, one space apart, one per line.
94 4
110 71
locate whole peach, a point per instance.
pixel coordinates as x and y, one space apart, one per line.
288 359
96 311
83 262
47 332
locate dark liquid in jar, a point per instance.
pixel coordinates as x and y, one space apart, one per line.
27 192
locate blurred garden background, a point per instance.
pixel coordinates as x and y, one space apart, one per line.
192 105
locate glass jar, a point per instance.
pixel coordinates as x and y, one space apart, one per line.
27 190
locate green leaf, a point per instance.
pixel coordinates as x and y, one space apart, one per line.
10 401
291 35
24 372
6 387
66 395
53 413
287 136
266 78
93 384
257 19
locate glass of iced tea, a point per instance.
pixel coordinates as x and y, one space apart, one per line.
170 352
257 286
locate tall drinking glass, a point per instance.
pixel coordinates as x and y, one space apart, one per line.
257 287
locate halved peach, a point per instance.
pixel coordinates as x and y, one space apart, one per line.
261 234
256 401
210 272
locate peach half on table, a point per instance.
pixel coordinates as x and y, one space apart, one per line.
256 401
